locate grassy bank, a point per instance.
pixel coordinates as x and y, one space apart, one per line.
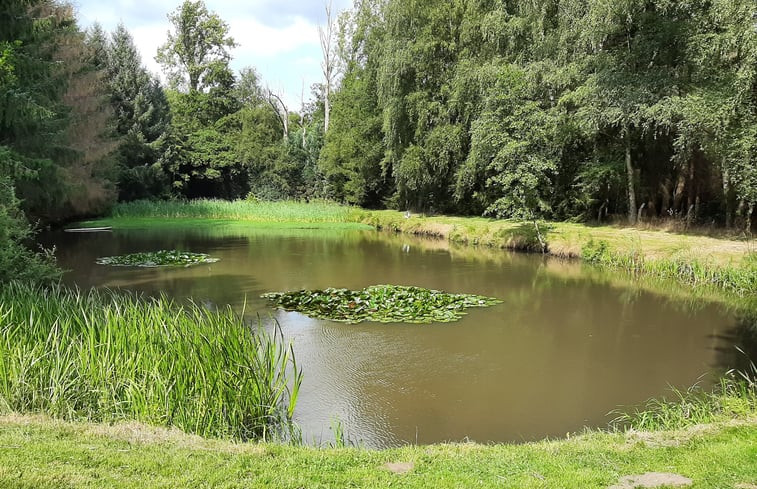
39 453
103 356
695 260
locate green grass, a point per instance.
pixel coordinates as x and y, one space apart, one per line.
264 212
37 452
43 454
102 356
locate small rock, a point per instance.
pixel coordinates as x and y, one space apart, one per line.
400 467
652 480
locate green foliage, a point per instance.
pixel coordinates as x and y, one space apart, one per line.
53 129
196 54
380 303
530 109
353 153
17 261
154 259
100 356
740 279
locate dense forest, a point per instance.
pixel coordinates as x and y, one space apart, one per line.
560 109
540 109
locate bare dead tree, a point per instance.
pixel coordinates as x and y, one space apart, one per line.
280 109
302 113
328 65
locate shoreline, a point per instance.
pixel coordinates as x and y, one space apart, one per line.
717 263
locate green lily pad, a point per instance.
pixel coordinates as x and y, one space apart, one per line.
154 259
380 303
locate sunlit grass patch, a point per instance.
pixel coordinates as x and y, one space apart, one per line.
380 303
256 211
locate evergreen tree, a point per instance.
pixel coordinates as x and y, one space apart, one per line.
141 112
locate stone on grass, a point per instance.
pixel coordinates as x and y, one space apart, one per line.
652 480
400 467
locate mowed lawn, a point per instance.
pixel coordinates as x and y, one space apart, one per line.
38 453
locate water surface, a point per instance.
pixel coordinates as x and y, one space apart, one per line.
567 346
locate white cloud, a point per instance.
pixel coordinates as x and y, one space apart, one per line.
259 41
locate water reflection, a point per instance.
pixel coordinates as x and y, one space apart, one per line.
568 345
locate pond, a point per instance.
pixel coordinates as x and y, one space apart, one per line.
567 346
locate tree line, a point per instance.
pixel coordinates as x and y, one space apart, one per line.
83 124
539 109
560 109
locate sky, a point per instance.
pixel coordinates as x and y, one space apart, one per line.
279 38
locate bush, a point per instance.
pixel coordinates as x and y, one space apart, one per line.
17 261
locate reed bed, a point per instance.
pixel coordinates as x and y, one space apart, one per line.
105 356
242 210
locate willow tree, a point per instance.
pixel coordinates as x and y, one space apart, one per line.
647 107
425 140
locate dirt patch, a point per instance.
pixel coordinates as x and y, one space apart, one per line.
399 467
141 434
651 480
745 485
135 433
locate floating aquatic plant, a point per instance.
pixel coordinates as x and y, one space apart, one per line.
380 303
155 259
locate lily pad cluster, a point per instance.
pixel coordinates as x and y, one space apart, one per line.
380 303
154 259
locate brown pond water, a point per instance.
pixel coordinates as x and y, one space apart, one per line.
568 345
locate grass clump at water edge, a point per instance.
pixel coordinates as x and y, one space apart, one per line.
102 356
740 280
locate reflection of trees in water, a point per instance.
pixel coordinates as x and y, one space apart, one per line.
743 336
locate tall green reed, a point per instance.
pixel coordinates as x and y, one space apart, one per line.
104 356
260 211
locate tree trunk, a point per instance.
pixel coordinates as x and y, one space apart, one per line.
326 35
691 193
631 175
748 219
327 107
641 211
727 200
540 238
601 210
